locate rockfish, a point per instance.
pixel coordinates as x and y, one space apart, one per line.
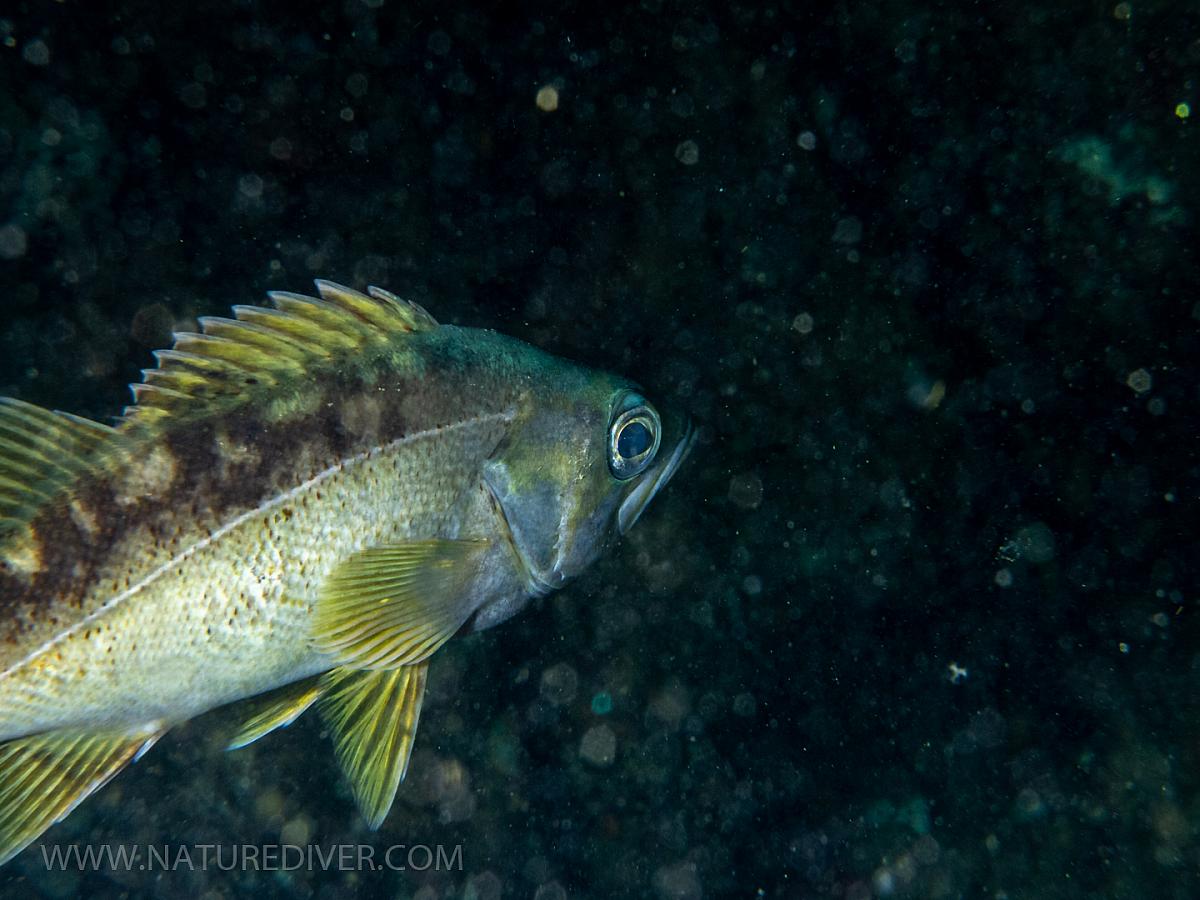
303 502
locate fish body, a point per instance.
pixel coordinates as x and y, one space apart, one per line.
305 500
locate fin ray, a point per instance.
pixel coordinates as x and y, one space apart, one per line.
230 359
278 709
45 776
395 605
41 453
373 718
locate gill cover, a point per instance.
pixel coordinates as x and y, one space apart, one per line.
572 476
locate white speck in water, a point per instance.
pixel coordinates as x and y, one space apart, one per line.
250 186
356 85
12 241
885 883
744 705
36 53
746 490
547 98
848 231
1139 380
559 684
680 881
599 745
281 148
193 95
688 153
1036 543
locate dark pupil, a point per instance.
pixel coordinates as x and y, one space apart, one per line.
634 440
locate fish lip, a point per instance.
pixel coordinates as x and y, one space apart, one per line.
639 498
536 583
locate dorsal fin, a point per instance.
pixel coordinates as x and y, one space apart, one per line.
41 452
231 359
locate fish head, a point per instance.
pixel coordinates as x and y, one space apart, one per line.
584 457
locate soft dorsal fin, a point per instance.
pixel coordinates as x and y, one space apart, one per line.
41 452
232 359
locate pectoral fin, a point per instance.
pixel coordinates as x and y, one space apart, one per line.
373 718
45 776
395 605
276 710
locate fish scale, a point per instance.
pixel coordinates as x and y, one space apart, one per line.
224 617
300 508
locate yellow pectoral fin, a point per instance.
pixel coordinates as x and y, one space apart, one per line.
45 776
276 710
395 605
373 717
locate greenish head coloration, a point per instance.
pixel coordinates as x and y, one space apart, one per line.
584 457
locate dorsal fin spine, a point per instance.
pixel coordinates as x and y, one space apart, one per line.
267 339
230 359
298 329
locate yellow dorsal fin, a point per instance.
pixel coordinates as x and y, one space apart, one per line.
395 605
278 709
41 452
45 776
230 359
373 718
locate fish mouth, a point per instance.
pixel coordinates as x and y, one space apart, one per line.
639 498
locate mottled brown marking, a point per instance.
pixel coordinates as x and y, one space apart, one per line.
232 453
148 479
23 555
78 532
198 472
83 516
362 415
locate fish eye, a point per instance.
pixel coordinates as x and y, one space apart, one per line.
633 438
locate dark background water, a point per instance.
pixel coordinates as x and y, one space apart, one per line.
919 616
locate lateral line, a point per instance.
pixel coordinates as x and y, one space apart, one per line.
279 499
